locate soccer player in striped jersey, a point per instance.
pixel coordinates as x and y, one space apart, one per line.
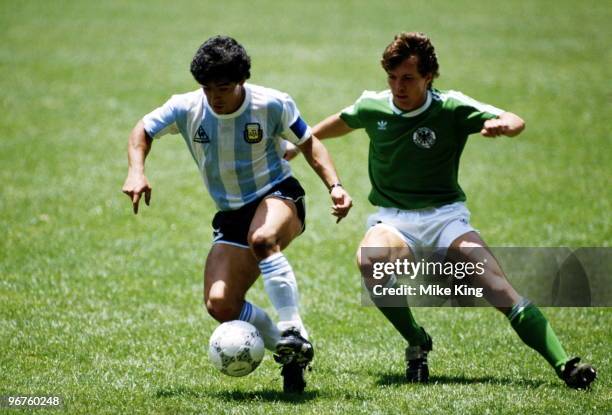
237 133
417 135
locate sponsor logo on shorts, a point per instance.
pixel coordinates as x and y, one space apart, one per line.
217 234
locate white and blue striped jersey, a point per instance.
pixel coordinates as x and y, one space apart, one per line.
239 155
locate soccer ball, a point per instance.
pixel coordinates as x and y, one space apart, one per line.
236 348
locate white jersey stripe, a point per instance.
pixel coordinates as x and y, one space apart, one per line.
243 156
471 102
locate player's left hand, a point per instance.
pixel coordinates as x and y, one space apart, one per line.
342 202
507 124
494 128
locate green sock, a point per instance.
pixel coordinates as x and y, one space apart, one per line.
398 313
403 321
535 331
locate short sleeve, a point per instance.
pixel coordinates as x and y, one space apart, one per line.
294 128
162 120
351 115
470 114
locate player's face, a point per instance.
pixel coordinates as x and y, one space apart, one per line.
224 97
408 86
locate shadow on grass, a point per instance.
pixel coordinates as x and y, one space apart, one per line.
266 395
400 379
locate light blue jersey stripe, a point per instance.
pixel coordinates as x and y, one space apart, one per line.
211 165
243 156
275 127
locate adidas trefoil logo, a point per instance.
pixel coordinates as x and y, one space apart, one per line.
382 125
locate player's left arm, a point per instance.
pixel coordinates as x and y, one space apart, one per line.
507 123
319 159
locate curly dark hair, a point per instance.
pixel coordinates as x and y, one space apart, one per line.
407 44
221 58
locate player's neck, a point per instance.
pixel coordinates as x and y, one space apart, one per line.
416 106
239 101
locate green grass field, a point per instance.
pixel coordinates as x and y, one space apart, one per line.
105 308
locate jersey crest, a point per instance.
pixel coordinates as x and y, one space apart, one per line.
424 138
253 133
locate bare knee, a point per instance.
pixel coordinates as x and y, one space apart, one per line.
222 309
263 242
364 262
369 262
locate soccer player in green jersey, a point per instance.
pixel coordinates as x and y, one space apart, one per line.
417 135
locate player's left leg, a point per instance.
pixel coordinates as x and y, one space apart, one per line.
526 319
275 224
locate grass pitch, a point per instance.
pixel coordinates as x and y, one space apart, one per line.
105 309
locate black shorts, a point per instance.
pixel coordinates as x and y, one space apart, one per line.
232 226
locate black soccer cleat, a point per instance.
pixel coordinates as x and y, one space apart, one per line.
293 347
578 376
417 370
293 377
294 352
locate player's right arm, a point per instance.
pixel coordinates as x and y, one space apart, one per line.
155 124
136 183
332 126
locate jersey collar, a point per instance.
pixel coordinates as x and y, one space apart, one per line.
413 113
240 110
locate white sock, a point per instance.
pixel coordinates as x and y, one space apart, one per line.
281 286
260 319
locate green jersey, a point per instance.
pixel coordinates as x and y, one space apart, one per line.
413 159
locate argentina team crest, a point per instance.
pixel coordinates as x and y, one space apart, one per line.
424 137
253 133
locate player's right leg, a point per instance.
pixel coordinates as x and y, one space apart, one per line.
382 243
228 274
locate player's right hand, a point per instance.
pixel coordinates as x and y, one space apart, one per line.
342 202
135 185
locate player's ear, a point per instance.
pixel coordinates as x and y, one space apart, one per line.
429 79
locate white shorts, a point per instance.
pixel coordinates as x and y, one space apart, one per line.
425 228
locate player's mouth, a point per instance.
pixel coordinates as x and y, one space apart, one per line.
402 100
